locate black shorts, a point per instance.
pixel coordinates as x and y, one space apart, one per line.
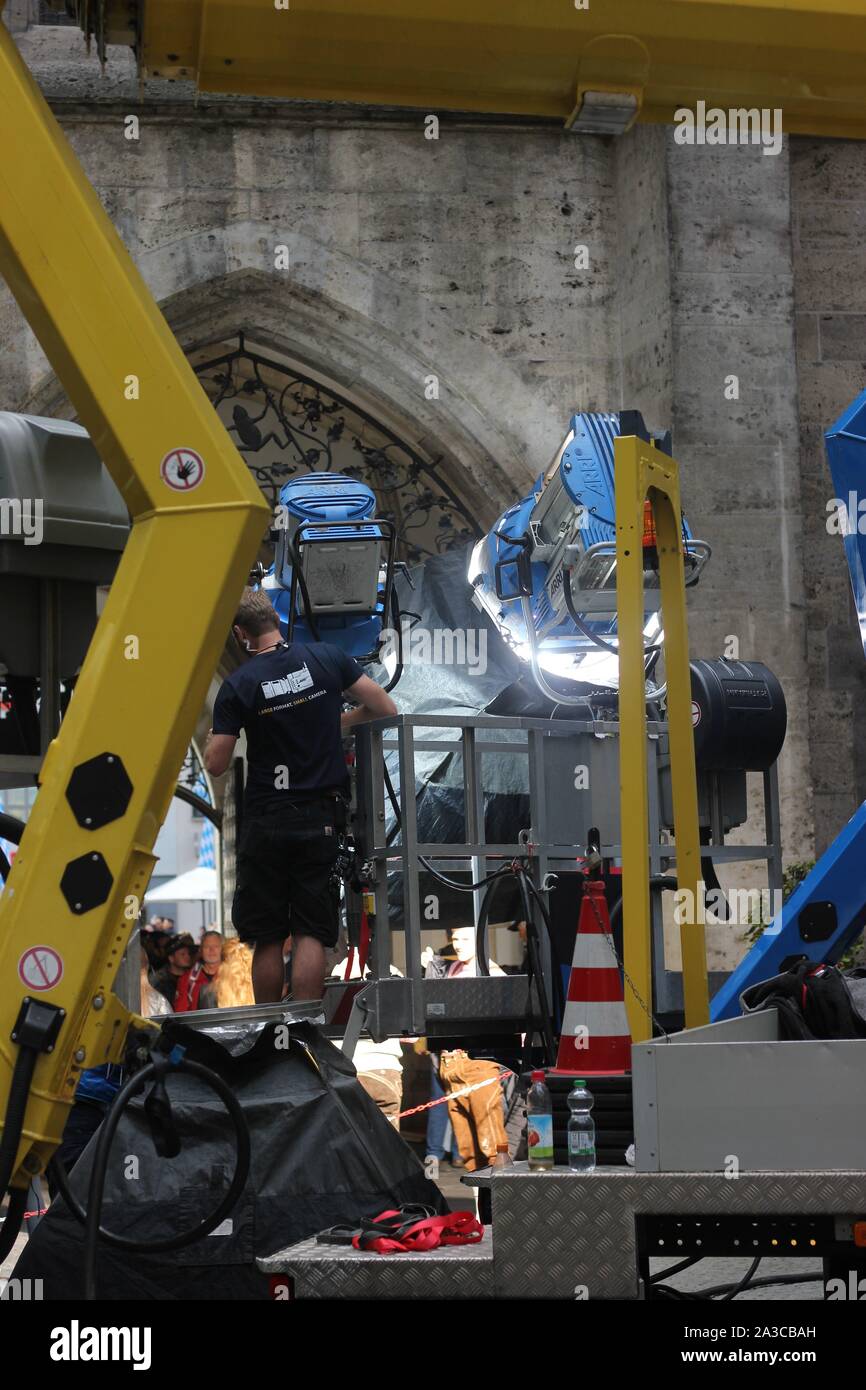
286 881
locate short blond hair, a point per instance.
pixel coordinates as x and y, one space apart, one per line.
256 614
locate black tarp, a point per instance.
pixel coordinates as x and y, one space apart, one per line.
322 1154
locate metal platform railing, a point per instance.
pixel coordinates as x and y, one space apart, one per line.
408 752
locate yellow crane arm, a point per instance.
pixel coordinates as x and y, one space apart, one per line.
516 57
87 853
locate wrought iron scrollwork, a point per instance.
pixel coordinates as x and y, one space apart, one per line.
284 422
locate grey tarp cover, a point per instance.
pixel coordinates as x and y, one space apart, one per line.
322 1154
489 679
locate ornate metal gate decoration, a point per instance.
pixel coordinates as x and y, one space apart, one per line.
284 422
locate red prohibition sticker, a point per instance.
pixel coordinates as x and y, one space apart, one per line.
696 714
182 469
40 968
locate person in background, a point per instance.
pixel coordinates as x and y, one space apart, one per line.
152 1002
380 1072
154 940
457 958
477 1118
180 954
233 987
466 964
204 972
441 1141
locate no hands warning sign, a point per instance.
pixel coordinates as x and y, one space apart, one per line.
40 968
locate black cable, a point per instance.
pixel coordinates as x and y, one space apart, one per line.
91 1218
666 882
704 1294
5 866
676 1269
536 971
481 930
16 1107
199 804
396 619
587 631
463 887
744 1282
392 795
578 621
777 1279
297 571
533 959
14 1220
664 1291
557 977
449 882
711 879
395 805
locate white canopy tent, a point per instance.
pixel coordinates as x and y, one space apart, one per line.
196 885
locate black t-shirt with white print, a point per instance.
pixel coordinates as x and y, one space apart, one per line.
288 701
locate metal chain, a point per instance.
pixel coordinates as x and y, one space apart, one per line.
452 1095
608 936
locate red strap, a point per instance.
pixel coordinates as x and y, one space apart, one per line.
454 1228
815 970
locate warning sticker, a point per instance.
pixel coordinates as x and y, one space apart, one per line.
182 469
40 968
696 714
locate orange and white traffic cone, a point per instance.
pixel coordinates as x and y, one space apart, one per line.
595 1036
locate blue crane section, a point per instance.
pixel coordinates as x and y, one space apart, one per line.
827 911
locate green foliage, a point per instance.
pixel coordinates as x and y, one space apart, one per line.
792 877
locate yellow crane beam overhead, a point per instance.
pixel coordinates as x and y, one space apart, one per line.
518 57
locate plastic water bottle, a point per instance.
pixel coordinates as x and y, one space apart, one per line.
581 1129
539 1123
503 1158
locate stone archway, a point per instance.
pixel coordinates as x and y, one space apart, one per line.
439 387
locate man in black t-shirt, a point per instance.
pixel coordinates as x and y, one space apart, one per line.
288 699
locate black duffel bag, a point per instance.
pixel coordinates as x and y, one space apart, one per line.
813 1001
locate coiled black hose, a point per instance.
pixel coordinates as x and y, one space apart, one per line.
91 1218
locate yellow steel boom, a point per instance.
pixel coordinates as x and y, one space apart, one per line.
86 856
